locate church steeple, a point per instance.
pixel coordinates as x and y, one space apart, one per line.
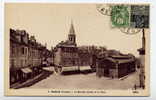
72 31
71 35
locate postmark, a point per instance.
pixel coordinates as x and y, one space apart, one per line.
139 16
104 9
120 15
130 31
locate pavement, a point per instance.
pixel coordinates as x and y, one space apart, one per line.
85 79
31 81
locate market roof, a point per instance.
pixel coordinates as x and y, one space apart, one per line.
119 59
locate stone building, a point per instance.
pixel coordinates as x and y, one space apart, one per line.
26 55
70 56
85 57
66 52
115 66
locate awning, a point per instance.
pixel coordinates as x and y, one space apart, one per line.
26 70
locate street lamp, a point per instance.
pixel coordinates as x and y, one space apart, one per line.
142 61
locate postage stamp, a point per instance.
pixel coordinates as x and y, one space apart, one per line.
139 16
120 15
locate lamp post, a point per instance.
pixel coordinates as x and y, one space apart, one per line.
142 61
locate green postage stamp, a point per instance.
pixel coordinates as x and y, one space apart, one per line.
120 15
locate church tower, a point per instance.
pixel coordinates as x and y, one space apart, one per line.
71 35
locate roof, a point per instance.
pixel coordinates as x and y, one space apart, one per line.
66 44
17 36
125 60
121 56
119 59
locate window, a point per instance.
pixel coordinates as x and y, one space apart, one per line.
22 50
26 51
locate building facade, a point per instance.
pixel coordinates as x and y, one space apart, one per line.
26 56
115 66
66 52
69 55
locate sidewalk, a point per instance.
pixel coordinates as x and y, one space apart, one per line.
31 81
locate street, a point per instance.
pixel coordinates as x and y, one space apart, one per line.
85 79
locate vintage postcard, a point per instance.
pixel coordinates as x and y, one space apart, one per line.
76 49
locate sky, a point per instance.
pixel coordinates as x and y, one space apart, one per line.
50 23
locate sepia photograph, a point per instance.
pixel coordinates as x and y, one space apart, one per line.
77 49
